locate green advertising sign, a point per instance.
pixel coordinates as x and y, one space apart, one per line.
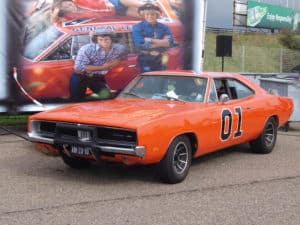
269 16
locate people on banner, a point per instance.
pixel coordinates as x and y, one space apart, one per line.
151 39
121 7
178 8
92 64
107 7
44 14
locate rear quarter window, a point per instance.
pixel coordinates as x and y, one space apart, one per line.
239 89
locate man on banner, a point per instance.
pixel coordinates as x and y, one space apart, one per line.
92 63
151 39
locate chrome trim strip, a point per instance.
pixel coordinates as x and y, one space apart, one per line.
34 137
137 151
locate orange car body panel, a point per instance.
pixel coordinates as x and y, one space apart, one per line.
158 122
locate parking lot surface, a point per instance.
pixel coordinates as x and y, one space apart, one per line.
232 186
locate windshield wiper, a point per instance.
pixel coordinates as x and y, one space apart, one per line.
133 94
172 98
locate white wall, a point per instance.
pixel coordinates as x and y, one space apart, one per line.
3 51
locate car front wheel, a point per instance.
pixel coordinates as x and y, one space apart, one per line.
265 142
174 167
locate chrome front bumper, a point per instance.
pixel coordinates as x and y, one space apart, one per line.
135 151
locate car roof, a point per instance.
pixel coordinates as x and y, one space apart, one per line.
206 74
192 73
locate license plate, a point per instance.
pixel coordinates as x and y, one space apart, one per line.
81 150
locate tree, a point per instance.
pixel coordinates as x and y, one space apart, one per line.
290 40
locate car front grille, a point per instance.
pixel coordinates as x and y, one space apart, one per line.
48 127
103 135
107 133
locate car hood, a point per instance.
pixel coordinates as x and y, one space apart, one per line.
120 112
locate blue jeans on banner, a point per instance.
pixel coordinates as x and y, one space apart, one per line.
119 7
79 83
150 63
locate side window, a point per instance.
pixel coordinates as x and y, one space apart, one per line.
61 52
221 87
77 42
125 40
40 42
212 92
239 90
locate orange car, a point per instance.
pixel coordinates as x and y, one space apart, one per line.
165 117
48 58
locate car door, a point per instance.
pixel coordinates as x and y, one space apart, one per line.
48 77
210 122
252 110
228 122
237 113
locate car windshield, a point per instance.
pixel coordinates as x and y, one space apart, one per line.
177 88
42 41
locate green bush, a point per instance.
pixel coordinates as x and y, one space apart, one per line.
13 119
290 40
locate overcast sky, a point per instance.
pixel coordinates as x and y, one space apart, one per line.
219 12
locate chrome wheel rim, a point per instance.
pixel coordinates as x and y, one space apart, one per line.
269 135
180 158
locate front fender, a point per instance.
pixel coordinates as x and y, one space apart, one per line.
156 137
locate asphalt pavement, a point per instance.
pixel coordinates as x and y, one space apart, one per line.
232 186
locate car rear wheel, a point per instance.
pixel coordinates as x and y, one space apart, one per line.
174 167
266 140
75 163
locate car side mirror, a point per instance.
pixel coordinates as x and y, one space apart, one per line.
224 98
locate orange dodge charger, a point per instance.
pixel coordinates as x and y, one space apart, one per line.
164 117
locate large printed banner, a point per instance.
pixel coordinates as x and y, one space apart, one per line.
264 15
77 50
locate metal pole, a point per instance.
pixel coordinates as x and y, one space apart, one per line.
281 60
200 7
243 58
222 63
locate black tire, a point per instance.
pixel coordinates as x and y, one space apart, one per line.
266 141
286 126
75 163
175 165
